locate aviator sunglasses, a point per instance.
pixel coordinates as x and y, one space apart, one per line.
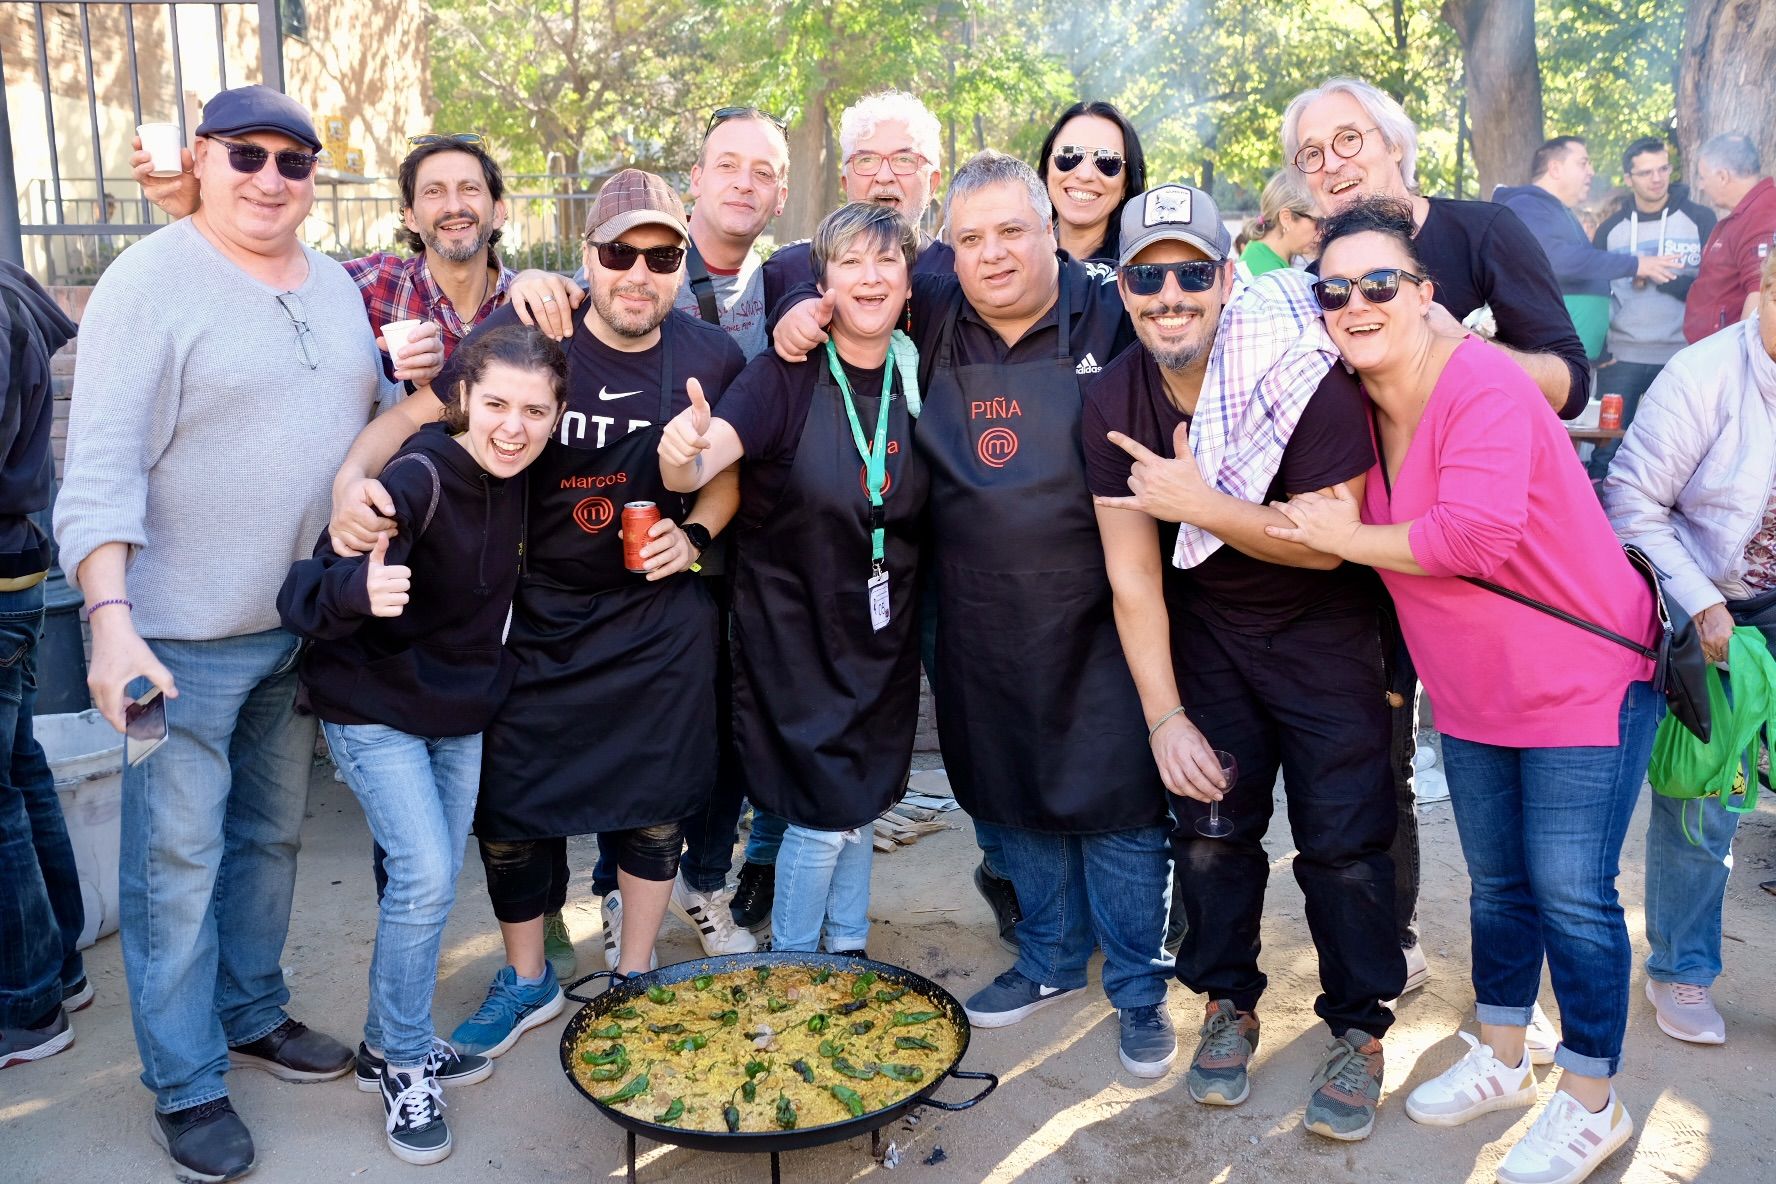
621 257
1378 287
1149 279
1107 161
250 158
721 115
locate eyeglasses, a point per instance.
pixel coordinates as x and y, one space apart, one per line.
1346 143
292 306
621 257
1663 170
869 164
1068 157
1377 287
250 158
1149 279
466 139
721 115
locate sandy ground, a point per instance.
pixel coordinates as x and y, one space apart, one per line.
1065 1109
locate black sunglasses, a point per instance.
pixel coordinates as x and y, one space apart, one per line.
467 139
1149 279
1378 287
1107 161
250 158
721 115
621 257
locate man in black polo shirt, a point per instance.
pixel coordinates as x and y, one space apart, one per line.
1260 650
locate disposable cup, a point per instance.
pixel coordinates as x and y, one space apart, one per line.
396 333
161 142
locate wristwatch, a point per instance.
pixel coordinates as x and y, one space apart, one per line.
698 534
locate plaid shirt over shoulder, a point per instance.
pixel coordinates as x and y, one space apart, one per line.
401 288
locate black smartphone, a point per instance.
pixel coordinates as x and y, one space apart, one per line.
144 726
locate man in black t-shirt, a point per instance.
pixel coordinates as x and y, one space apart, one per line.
1260 649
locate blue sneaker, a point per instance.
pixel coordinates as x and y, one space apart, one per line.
1009 999
508 1012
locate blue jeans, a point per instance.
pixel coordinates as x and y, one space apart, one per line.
1542 831
1685 887
765 838
212 822
418 796
1114 887
41 914
823 882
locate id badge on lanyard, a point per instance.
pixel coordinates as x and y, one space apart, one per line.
875 461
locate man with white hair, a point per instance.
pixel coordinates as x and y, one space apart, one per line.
1726 288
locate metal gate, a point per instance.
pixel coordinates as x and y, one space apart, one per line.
63 204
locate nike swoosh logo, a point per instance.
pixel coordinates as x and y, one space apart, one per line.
606 394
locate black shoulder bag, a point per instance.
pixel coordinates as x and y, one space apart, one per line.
702 286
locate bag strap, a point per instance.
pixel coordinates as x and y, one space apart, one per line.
702 286
437 487
1560 614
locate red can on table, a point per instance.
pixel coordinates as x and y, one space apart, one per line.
1609 419
638 519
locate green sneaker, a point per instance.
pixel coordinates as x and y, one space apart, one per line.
1346 1089
558 946
1217 1074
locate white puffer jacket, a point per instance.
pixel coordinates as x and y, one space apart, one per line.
1696 470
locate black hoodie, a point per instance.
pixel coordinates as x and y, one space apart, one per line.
440 668
34 327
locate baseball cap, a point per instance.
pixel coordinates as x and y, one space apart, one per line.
635 198
257 109
1178 212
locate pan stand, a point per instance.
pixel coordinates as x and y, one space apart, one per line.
776 1167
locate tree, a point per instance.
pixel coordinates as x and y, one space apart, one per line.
1504 85
1726 84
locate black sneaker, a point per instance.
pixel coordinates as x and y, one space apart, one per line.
207 1143
1001 897
294 1052
42 1039
451 1067
78 996
751 906
413 1106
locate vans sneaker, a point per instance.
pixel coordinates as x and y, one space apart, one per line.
413 1114
452 1068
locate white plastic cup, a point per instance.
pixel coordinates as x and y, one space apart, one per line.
395 335
161 142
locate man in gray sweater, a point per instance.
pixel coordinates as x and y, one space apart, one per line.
224 370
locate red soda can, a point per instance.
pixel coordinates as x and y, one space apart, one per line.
639 518
1609 419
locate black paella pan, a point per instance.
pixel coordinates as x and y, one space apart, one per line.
620 994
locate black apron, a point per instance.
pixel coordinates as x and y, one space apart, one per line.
825 707
611 721
1037 714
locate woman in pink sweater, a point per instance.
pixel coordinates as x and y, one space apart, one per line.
1547 728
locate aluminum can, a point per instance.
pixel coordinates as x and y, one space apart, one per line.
1610 420
638 519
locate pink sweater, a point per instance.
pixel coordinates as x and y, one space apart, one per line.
1494 489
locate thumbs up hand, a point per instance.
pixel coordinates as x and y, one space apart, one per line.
687 435
386 583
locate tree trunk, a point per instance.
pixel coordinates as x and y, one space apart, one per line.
813 175
1725 77
1504 85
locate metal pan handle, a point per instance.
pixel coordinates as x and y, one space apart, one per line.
990 1079
568 990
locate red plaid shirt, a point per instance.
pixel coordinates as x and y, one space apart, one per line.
401 288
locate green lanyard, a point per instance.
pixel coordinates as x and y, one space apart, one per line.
875 457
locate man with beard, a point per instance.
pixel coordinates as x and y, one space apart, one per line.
1262 649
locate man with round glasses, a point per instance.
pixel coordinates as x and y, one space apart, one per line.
230 401
1241 643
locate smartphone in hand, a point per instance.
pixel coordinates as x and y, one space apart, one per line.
144 726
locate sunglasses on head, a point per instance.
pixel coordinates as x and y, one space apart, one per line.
1149 279
721 115
1378 287
1068 157
621 257
250 158
466 139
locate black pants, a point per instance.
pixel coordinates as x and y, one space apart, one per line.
1310 699
1403 689
527 878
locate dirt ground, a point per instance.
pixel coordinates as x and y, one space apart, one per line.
1065 1110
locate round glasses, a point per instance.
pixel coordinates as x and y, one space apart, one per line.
250 158
1346 143
901 164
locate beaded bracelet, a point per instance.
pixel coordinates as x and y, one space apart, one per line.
1159 723
91 609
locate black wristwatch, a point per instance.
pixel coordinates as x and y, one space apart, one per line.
698 534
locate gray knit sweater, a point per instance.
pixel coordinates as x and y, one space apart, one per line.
200 435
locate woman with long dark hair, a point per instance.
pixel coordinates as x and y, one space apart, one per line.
1091 160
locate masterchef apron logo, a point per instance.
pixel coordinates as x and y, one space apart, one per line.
997 444
593 514
887 477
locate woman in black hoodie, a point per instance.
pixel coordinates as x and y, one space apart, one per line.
406 669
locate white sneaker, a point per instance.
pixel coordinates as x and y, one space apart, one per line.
611 911
1686 1011
707 913
1477 1084
1418 973
1567 1142
1541 1038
